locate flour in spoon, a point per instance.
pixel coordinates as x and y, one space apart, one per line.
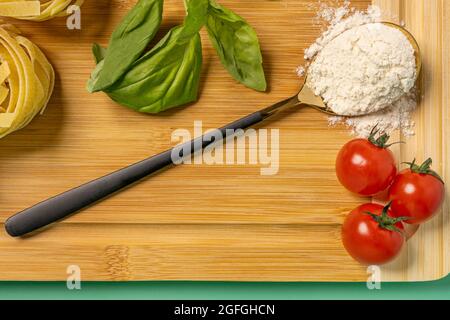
364 70
362 66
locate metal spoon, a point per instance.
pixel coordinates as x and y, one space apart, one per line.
69 202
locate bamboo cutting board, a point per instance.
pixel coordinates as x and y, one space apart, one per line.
200 222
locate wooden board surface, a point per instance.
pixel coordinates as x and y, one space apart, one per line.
198 222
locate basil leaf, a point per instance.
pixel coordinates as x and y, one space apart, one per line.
94 75
165 77
98 52
128 41
169 74
237 45
99 56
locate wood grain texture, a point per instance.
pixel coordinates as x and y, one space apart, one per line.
427 253
193 222
188 251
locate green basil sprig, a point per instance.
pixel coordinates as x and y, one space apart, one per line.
166 77
237 45
169 74
128 41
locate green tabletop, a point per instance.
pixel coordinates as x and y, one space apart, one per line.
224 290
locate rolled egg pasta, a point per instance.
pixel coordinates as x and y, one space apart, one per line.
36 10
26 80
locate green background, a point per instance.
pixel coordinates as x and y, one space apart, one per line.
224 290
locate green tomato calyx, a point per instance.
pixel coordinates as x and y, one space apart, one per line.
424 168
387 222
380 140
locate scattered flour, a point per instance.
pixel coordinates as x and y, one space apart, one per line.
395 117
340 20
301 71
387 73
332 15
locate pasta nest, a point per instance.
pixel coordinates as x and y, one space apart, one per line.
37 10
27 80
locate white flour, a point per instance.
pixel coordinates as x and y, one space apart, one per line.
362 66
363 70
395 117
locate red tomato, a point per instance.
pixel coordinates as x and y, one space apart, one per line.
417 193
366 167
374 238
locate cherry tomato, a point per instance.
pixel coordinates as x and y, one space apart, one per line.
371 235
366 166
417 193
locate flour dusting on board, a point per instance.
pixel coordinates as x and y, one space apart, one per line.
397 114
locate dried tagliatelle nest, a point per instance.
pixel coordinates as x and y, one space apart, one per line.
37 10
26 80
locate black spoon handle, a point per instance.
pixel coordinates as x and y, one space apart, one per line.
71 201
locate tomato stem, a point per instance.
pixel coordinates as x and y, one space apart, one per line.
385 221
424 168
382 140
